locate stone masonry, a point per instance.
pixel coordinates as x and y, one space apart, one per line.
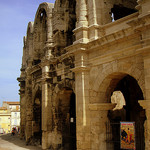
76 54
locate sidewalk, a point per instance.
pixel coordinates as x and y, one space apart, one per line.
9 142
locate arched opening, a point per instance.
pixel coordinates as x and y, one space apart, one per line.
36 62
120 11
72 112
114 10
40 33
64 22
67 119
37 118
130 111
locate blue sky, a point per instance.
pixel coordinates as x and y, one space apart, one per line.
14 15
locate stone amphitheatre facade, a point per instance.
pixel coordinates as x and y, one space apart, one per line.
76 54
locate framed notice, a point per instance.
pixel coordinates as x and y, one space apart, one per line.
127 135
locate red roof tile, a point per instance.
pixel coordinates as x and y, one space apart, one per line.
12 103
3 108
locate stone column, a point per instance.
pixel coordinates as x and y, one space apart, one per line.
81 13
49 41
29 109
146 105
49 26
82 113
45 76
22 115
21 79
92 19
147 75
98 115
82 99
81 30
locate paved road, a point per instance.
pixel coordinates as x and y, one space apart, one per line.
8 142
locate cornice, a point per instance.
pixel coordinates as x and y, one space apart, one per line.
72 49
80 28
121 20
101 106
140 21
80 69
20 79
121 54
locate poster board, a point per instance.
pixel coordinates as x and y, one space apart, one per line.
127 135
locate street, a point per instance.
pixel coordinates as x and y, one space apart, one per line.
9 142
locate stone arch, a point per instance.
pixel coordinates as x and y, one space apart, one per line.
121 9
36 88
37 115
65 12
114 10
64 115
30 28
115 77
110 76
42 28
130 112
29 40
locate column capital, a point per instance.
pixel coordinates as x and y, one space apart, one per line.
80 69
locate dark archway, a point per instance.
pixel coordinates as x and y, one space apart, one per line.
72 112
119 11
37 118
67 119
132 112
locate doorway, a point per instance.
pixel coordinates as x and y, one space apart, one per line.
37 119
67 119
130 112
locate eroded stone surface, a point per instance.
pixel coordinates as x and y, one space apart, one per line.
76 54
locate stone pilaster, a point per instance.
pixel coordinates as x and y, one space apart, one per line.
22 115
147 75
22 104
92 19
81 13
45 70
49 42
49 24
82 113
81 30
98 114
146 105
29 109
45 76
82 99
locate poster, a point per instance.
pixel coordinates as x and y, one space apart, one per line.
127 135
